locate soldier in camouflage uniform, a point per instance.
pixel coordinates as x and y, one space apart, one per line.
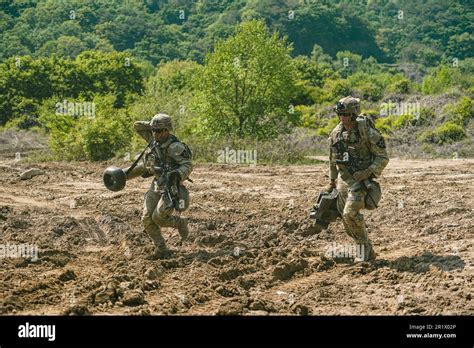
371 154
165 149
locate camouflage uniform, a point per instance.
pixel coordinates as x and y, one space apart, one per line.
373 158
157 213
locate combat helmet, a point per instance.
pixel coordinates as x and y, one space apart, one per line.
348 105
161 121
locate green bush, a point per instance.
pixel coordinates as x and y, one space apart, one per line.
307 115
25 83
104 138
326 129
427 116
247 85
446 133
461 112
371 112
173 76
391 123
285 149
385 124
400 85
98 137
403 121
370 91
338 88
440 79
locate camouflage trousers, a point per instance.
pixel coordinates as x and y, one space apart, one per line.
157 214
349 204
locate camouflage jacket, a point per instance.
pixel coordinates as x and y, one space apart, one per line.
371 154
172 152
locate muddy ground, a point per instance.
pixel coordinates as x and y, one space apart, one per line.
249 252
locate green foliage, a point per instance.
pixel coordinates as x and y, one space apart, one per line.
347 63
445 133
327 125
174 76
427 116
249 88
63 132
247 84
111 73
104 138
440 79
422 54
104 135
309 71
336 89
400 85
312 73
391 123
169 90
25 82
461 112
428 31
307 115
404 120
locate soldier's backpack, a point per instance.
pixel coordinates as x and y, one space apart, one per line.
372 198
182 194
187 153
364 122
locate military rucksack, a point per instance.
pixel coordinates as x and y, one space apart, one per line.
187 153
364 122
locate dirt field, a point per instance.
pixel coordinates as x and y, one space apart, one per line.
248 253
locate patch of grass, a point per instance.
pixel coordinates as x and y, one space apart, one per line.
38 156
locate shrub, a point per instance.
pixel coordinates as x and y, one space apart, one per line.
461 112
338 88
400 85
441 79
391 123
95 138
427 116
330 123
446 133
307 115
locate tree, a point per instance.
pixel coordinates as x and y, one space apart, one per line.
116 72
64 46
247 84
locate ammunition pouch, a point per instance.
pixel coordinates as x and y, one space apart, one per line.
373 196
182 201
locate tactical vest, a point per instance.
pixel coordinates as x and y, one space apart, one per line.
158 154
357 145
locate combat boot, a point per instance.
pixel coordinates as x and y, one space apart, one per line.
368 253
160 253
182 225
